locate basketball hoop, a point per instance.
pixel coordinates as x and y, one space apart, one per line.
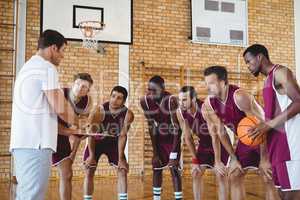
89 30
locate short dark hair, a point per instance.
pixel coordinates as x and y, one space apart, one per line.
84 76
220 71
120 89
158 80
256 49
51 37
189 89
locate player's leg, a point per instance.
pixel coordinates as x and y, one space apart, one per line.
157 182
223 186
197 178
177 184
237 188
65 179
271 191
112 154
122 184
61 159
88 184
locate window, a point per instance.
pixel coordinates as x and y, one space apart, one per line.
211 5
227 7
203 34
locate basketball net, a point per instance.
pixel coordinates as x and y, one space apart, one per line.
90 29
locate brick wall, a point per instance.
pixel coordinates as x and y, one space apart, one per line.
160 39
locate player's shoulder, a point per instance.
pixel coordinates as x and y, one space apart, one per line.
240 94
144 102
282 72
130 115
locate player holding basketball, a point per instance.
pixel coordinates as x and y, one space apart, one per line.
282 120
191 121
159 108
113 120
226 105
63 158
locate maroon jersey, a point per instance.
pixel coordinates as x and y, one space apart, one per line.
198 125
161 114
276 138
79 107
231 115
63 144
205 151
113 122
227 111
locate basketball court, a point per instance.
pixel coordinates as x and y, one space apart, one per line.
126 42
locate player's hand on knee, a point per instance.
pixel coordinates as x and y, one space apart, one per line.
156 162
122 164
173 163
220 168
196 170
265 170
90 162
235 167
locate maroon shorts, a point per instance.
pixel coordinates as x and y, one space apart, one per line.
249 157
164 150
107 146
286 175
206 157
63 150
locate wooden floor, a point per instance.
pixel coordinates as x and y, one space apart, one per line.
140 189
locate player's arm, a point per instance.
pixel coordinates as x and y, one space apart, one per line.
151 126
62 130
284 78
83 124
61 106
217 132
247 103
186 131
176 128
94 120
216 129
216 144
123 137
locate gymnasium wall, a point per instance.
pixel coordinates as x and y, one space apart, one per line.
160 46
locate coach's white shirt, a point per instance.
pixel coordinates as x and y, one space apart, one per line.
34 123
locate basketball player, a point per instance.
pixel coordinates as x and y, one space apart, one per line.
159 108
81 103
191 121
112 118
282 120
226 105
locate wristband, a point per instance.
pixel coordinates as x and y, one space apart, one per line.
173 155
195 161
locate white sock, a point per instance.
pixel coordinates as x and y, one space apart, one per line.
87 197
122 196
156 193
178 195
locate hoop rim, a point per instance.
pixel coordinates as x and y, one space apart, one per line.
82 25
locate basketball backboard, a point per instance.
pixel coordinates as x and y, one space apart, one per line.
65 16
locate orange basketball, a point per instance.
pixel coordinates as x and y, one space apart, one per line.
242 131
